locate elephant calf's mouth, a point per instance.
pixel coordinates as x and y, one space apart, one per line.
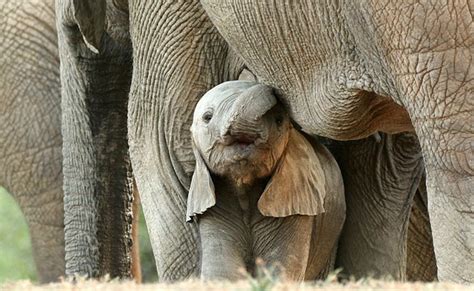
244 140
241 140
242 146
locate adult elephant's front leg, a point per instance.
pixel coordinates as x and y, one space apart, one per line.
178 56
380 179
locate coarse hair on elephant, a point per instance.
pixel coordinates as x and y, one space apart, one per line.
344 71
260 188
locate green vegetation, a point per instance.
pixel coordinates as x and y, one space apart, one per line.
146 254
16 260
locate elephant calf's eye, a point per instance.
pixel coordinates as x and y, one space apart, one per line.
207 117
279 120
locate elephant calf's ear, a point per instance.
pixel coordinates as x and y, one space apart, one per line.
298 185
90 17
201 192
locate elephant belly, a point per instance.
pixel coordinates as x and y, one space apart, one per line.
316 68
361 114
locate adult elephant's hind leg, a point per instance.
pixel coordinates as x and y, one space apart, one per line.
41 202
34 179
433 65
439 87
449 156
380 179
447 144
30 127
44 214
421 261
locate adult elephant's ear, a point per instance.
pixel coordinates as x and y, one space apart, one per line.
201 192
90 18
298 185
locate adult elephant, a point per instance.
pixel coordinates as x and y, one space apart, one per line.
421 262
170 73
96 167
332 71
346 70
30 131
382 175
386 208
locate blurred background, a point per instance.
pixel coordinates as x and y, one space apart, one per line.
16 260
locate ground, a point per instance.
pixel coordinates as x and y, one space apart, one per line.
16 264
241 285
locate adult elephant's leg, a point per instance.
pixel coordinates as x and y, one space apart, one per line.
135 252
42 206
447 144
95 75
30 131
432 65
178 56
445 125
443 116
421 261
380 178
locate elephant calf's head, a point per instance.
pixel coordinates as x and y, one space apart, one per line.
240 130
242 133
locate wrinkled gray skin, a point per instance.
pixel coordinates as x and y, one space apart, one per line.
30 132
160 144
348 69
178 55
421 261
48 248
384 170
260 189
30 150
381 175
96 166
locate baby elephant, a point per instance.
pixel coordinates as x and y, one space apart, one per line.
260 188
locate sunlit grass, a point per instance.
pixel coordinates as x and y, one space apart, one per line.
198 285
16 260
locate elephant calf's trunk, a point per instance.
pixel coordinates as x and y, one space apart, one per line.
248 109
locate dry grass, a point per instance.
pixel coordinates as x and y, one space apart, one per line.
256 285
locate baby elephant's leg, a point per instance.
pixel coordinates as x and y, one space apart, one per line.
284 244
224 243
